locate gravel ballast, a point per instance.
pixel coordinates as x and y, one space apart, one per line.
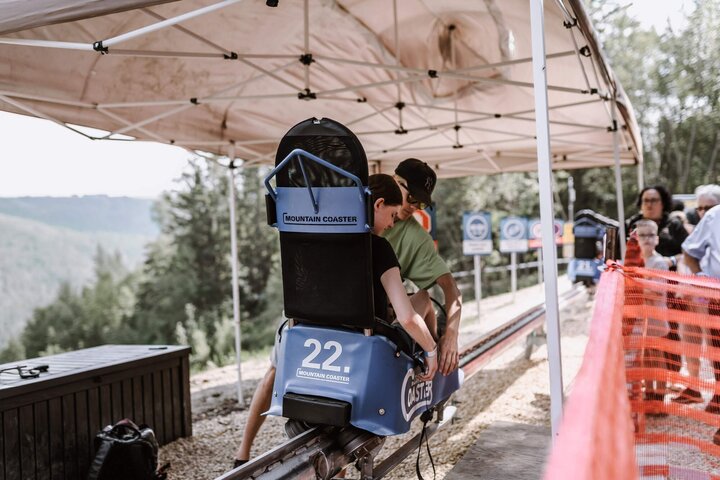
510 388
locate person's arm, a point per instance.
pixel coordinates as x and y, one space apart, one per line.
448 343
410 320
691 262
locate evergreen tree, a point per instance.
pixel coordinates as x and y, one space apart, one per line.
259 259
186 288
92 317
13 351
188 264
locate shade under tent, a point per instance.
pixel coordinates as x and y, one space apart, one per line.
450 82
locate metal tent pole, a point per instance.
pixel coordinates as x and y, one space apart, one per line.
513 274
540 267
641 176
571 199
234 263
166 23
542 127
618 182
478 285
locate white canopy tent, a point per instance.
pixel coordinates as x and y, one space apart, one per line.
447 81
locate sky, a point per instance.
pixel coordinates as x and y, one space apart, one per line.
40 158
655 13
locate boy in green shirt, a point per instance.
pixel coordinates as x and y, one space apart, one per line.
419 260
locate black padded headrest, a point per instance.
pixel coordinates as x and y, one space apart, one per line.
329 140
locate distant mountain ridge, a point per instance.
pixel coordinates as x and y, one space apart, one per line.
45 241
92 213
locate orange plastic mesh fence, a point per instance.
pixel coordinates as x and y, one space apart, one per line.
596 437
663 390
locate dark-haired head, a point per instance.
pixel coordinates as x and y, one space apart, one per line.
384 186
665 197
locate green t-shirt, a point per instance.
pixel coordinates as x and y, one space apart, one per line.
414 247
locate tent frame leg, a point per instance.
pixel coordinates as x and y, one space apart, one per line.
537 23
618 181
235 268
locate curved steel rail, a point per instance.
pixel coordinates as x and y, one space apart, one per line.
322 452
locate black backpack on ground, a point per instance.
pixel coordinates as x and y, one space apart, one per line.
126 451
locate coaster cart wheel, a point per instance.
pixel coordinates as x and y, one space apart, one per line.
293 428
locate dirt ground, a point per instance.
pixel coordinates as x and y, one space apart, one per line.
511 388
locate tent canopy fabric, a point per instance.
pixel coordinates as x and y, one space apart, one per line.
447 81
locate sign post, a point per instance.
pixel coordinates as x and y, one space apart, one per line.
477 241
478 283
535 240
513 239
534 236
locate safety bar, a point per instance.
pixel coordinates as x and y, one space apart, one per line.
299 153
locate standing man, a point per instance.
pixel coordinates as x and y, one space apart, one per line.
419 260
698 257
702 248
419 263
702 256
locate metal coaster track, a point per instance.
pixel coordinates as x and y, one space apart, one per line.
322 452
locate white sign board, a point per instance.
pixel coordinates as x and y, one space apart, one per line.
513 234
535 233
477 233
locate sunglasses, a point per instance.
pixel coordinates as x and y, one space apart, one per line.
704 209
26 372
420 205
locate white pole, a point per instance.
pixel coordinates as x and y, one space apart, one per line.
571 199
478 285
234 263
540 265
513 274
47 44
537 23
167 23
618 182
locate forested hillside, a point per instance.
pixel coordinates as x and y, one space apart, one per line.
92 213
36 257
181 293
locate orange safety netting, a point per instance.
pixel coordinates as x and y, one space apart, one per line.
646 402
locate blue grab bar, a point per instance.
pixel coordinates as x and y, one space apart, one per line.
299 153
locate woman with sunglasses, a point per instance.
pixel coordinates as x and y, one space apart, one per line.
387 283
655 204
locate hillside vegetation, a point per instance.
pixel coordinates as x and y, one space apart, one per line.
36 257
92 213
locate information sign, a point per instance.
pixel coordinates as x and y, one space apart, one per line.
426 218
535 232
513 234
477 233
